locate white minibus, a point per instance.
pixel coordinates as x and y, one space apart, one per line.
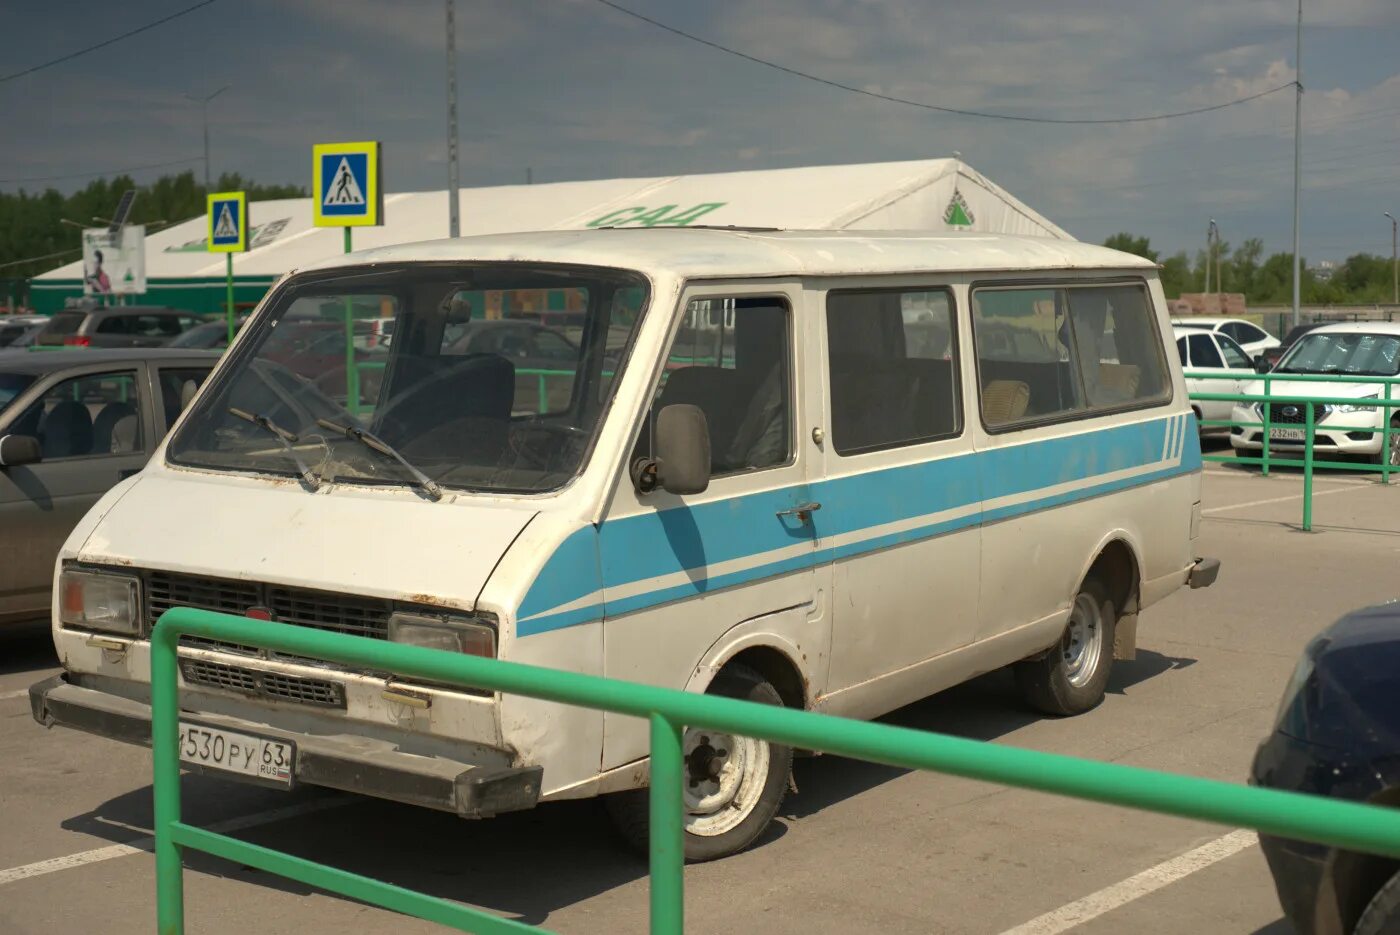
830 470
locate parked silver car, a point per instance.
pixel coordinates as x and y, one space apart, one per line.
73 424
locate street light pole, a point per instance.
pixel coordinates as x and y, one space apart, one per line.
1394 261
1297 164
203 103
454 222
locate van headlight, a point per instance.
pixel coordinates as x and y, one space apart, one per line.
1356 406
99 600
455 634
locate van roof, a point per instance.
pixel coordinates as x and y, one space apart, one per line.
692 252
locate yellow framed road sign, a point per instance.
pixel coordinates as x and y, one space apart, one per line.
228 222
345 189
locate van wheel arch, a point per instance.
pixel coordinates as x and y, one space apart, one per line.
1117 567
777 668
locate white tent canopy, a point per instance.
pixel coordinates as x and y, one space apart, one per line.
924 195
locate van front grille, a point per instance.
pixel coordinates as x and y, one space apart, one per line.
264 684
321 610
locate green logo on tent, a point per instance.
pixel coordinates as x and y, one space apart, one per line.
957 214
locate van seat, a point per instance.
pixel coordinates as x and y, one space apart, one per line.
1122 379
1005 401
718 392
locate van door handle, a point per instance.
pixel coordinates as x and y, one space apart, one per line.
803 511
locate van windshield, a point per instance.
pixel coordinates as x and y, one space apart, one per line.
491 377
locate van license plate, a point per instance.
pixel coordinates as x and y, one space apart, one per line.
256 757
1286 435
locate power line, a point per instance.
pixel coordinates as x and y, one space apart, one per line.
88 175
937 107
102 45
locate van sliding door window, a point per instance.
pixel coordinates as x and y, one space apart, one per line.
1050 353
892 364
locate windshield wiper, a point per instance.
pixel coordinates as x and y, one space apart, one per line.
374 443
283 436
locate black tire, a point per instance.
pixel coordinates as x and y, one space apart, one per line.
630 811
1382 913
1052 683
1379 457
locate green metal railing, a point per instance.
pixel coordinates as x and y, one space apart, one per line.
1269 456
1331 822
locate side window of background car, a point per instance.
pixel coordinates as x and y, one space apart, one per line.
1203 352
115 324
94 414
1181 350
552 346
1235 356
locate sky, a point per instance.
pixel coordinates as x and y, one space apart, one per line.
570 89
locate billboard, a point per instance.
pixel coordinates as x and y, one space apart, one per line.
114 262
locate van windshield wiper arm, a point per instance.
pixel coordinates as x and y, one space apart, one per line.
374 443
283 436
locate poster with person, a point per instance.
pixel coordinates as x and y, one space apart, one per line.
114 262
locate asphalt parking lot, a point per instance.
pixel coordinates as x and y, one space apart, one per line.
861 847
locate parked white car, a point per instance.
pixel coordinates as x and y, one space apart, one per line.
1251 337
1229 366
1364 349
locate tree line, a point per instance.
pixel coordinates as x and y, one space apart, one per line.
31 224
1364 279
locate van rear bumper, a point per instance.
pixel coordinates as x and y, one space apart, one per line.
1203 573
351 763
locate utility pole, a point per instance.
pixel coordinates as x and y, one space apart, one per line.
203 103
1205 285
454 222
1297 165
1214 232
1394 261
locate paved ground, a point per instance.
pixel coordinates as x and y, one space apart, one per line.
860 848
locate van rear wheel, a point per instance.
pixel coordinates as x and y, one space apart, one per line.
733 785
1073 676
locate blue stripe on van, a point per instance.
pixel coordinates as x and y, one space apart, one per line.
690 540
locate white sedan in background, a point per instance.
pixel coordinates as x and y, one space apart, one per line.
1355 349
1251 337
1228 367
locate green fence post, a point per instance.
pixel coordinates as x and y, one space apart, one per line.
540 391
1307 468
352 375
1268 409
165 783
667 831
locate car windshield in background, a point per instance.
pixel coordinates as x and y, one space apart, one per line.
11 385
1344 352
496 378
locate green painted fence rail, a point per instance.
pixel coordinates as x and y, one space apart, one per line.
1326 821
1269 458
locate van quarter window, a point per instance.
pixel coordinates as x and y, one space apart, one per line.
892 358
1044 354
731 358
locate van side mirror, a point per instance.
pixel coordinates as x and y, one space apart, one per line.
682 462
1262 365
19 449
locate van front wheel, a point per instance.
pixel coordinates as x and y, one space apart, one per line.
1072 677
733 785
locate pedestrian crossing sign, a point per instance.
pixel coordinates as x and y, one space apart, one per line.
228 222
346 185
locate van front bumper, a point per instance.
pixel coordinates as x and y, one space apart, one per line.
348 762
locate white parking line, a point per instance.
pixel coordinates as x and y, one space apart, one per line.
1119 894
143 845
1298 496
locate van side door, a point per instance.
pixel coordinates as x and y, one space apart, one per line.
900 496
684 574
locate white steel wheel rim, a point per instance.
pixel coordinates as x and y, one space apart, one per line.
1394 450
724 779
1082 645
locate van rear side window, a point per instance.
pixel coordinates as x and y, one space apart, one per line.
1049 353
